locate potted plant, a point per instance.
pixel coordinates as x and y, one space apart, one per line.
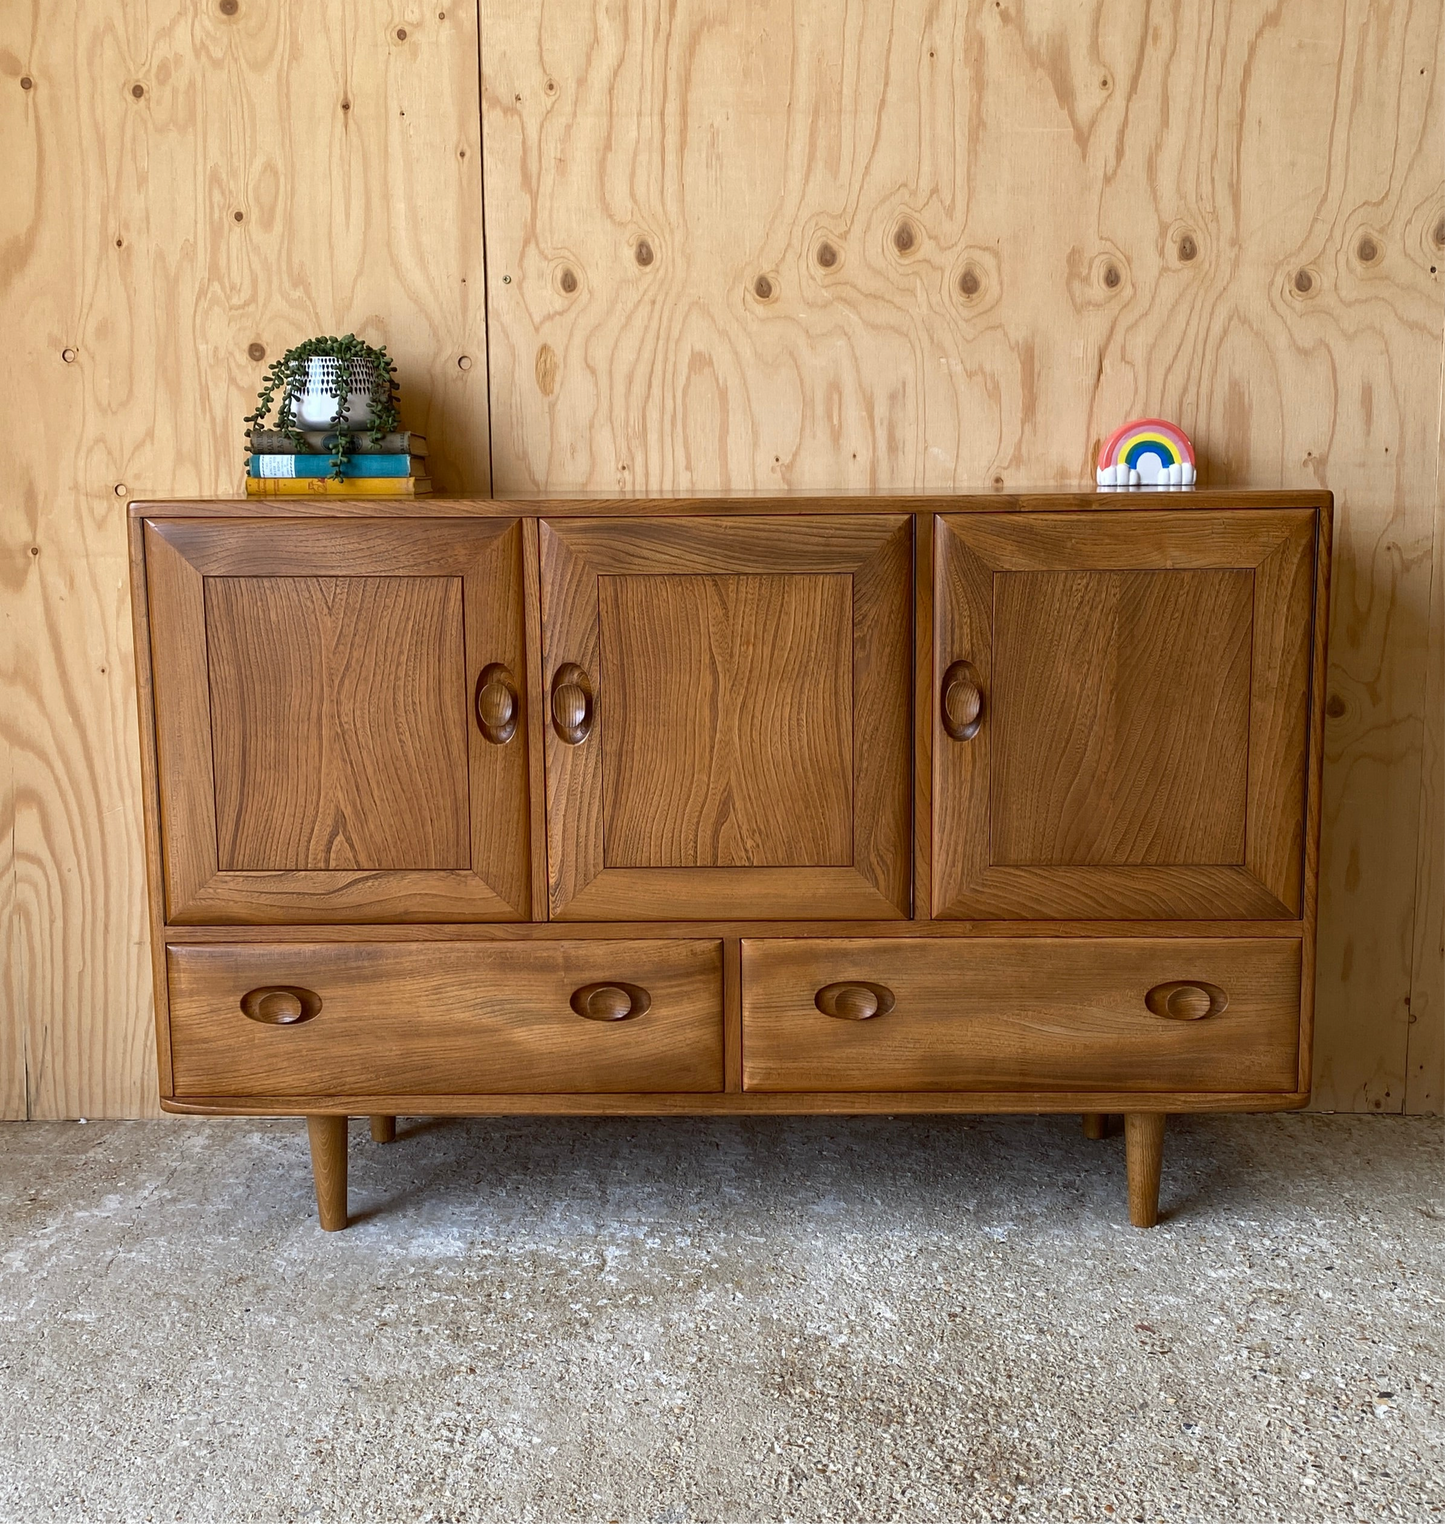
339 386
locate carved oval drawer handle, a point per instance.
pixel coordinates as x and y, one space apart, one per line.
1186 1000
571 703
611 1002
854 1000
280 1005
497 704
962 703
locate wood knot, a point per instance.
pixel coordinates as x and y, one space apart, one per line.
904 237
764 289
26 83
239 216
826 255
1335 706
970 282
401 34
1188 249
229 7
1112 277
567 280
1437 232
1367 250
256 351
643 253
138 91
1303 282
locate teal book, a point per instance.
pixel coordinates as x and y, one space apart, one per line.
320 465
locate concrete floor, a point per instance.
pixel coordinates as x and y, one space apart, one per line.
672 1322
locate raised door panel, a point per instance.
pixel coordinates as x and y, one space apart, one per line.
728 732
1121 714
339 720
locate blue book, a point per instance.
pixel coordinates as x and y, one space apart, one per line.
353 465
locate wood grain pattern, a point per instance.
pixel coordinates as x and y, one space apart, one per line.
327 1135
1002 1015
1121 717
1144 1155
416 1017
338 722
182 185
382 753
651 1103
1233 216
729 739
684 749
1104 672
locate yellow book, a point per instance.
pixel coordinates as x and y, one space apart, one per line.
323 486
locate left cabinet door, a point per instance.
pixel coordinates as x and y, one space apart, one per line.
340 720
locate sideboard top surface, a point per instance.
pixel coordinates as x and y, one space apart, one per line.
1130 500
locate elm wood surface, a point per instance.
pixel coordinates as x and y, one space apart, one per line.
412 1018
328 1167
1144 1154
729 736
734 504
643 1103
1146 702
338 722
383 1129
318 755
749 751
1026 1015
681 619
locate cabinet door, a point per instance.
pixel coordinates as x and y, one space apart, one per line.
728 731
1121 705
339 720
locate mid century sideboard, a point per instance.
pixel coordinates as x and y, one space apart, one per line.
728 806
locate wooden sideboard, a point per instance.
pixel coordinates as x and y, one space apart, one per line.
733 805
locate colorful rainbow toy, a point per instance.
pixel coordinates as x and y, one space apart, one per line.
1147 453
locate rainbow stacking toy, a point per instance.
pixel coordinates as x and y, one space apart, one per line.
1147 453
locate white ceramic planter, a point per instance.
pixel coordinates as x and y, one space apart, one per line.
315 406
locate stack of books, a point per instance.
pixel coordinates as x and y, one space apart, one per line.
394 467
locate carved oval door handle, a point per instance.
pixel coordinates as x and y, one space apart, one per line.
1186 1000
962 702
611 1002
497 704
280 1005
854 1000
572 707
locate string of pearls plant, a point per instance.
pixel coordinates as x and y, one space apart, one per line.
340 386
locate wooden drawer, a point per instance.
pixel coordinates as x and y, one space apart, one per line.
453 1018
1021 1014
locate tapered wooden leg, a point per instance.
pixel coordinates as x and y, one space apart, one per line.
1144 1150
328 1165
1096 1125
383 1129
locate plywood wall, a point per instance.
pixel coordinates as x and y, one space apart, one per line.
189 187
729 245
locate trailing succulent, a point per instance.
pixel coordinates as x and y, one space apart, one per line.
289 374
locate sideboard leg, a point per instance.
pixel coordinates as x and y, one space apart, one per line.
383 1129
1144 1150
1096 1125
328 1165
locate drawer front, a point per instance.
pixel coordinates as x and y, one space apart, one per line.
1021 1014
446 1018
